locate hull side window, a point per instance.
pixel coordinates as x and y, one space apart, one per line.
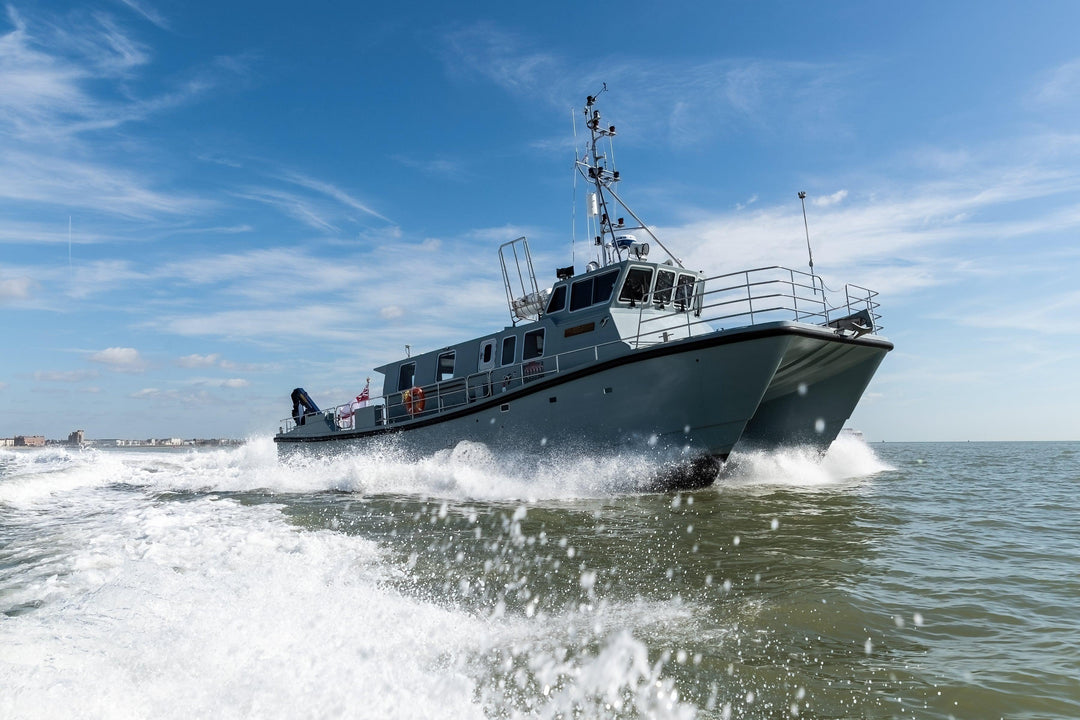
509 348
446 367
405 376
534 345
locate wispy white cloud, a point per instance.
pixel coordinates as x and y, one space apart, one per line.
18 288
231 383
334 192
38 177
65 376
120 359
670 97
444 168
66 82
148 12
1062 84
199 361
827 200
901 239
291 204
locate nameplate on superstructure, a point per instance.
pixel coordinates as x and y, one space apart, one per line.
579 329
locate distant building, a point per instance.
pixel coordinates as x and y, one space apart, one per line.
76 438
7 442
29 441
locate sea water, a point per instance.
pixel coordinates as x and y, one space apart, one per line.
903 580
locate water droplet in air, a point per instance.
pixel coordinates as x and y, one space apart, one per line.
775 524
802 388
868 646
819 425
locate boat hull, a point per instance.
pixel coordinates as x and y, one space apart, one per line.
814 391
682 405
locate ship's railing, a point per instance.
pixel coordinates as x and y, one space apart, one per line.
454 393
748 297
753 297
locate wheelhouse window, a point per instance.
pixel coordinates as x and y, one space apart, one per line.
446 366
604 285
636 286
509 347
406 375
665 281
487 352
534 345
591 291
558 300
581 294
685 291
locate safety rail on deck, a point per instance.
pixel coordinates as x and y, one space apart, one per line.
748 297
441 397
752 297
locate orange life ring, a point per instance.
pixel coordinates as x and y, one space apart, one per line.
414 400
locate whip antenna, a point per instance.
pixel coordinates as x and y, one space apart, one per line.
802 199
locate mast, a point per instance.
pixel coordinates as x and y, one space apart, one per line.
614 236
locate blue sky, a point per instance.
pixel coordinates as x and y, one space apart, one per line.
262 196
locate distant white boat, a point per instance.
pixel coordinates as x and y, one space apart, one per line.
629 354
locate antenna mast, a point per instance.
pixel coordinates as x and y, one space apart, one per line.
594 168
802 199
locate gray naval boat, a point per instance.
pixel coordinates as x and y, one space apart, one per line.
631 356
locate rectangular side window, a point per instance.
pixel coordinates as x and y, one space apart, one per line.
509 347
489 349
446 366
405 376
581 294
534 345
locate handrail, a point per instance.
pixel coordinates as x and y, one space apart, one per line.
762 294
765 294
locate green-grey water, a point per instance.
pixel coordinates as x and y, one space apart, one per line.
903 580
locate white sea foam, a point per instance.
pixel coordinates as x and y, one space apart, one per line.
848 459
130 600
